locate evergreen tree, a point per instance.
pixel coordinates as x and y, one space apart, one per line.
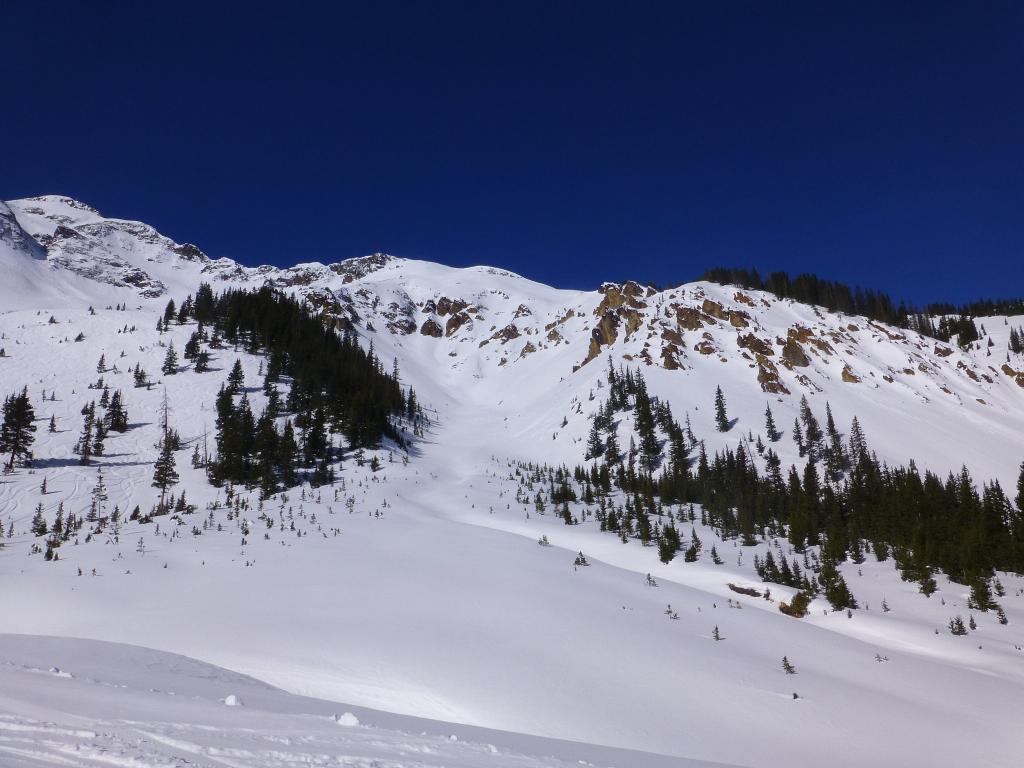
612 451
1016 341
99 494
99 436
287 451
117 416
1020 490
834 587
813 436
769 425
165 474
594 445
38 525
858 444
798 438
721 420
84 447
202 361
236 379
17 430
170 366
192 346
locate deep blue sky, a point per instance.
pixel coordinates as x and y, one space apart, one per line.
881 144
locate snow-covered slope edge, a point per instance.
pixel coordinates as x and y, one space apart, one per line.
72 702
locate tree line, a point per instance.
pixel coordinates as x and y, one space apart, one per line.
844 500
953 320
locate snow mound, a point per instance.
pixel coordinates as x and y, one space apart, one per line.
347 719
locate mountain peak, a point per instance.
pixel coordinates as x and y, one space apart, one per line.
61 200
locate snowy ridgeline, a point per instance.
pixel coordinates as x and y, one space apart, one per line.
414 584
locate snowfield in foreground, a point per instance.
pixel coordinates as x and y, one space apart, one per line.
83 703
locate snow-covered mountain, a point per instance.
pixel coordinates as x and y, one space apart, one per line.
419 589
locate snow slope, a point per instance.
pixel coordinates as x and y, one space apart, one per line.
420 589
71 702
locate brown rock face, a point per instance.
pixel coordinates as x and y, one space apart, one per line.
754 344
455 322
509 332
801 333
555 323
738 319
742 298
735 317
849 376
823 345
689 318
768 376
669 357
714 309
430 327
673 337
793 354
629 294
633 320
603 335
618 305
447 306
1018 376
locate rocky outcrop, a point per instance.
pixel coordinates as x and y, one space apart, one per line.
768 376
354 269
670 357
629 294
849 376
431 327
742 298
793 354
1018 376
714 309
619 306
447 306
335 311
456 321
603 335
754 344
737 318
689 318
